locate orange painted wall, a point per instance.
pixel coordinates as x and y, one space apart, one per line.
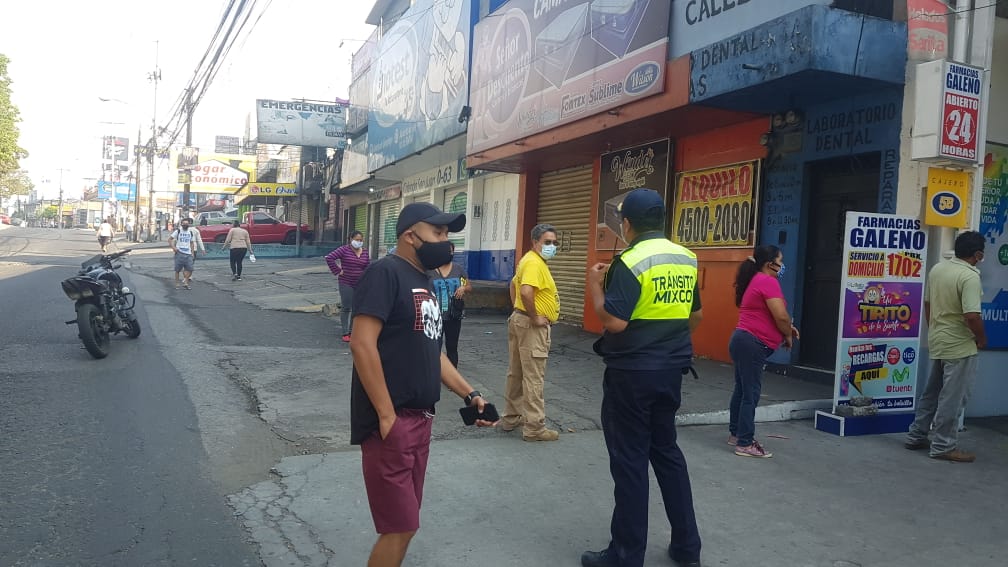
718 265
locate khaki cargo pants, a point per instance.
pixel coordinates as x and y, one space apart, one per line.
528 347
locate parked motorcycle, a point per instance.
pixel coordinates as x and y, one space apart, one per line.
104 305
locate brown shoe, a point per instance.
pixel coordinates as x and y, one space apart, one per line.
956 455
918 445
543 435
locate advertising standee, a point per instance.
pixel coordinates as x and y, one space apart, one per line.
881 310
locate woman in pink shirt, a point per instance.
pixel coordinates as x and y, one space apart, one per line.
763 326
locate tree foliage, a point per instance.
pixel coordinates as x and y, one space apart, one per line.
15 182
10 151
49 212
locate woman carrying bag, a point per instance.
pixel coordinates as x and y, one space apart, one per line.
451 283
239 241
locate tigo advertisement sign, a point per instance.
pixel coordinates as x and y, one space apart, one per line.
946 197
119 191
994 228
881 309
716 207
537 65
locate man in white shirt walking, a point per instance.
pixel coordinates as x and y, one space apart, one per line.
184 241
105 234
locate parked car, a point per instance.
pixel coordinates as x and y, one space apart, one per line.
216 217
262 227
4 219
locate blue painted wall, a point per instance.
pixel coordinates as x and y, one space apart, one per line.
489 265
857 125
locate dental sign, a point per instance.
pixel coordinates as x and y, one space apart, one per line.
961 100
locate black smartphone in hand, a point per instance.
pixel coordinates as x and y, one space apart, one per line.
470 414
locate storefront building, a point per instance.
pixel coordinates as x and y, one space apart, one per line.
762 124
416 125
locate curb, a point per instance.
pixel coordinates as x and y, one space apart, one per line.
784 411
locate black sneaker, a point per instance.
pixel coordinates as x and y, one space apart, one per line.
604 558
682 562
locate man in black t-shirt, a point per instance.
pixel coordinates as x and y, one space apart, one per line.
397 374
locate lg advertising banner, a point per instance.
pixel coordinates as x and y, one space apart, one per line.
622 172
716 208
301 123
994 227
419 81
880 310
961 112
537 65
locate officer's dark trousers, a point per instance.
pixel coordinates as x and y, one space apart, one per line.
638 419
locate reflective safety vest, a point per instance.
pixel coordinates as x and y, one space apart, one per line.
667 273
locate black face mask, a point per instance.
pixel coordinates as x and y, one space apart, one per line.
433 255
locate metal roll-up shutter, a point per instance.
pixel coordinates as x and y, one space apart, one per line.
565 202
388 214
359 215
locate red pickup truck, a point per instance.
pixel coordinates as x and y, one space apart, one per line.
262 227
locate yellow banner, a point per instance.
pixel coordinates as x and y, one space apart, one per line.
946 197
212 172
268 190
716 207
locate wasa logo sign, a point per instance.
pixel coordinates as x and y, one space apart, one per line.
947 204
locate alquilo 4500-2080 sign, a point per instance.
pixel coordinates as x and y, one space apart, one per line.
716 207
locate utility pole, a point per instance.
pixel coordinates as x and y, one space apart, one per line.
136 196
59 211
154 76
188 142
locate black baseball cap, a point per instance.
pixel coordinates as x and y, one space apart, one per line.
640 202
428 213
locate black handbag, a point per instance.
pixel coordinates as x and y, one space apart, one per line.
456 307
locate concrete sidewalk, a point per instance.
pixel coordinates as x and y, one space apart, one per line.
306 285
492 499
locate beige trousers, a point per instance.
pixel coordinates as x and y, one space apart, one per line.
528 347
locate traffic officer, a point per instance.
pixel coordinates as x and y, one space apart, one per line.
649 304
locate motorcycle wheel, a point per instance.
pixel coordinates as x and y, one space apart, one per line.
133 328
92 334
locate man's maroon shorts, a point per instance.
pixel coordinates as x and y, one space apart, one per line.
394 470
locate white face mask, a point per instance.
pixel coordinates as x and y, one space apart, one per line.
358 244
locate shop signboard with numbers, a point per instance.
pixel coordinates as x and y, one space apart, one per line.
717 207
881 310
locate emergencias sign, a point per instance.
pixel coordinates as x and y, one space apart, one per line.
301 123
716 207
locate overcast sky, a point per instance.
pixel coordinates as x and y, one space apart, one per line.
65 54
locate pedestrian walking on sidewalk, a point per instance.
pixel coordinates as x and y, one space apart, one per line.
398 371
129 230
536 307
763 326
451 283
184 242
348 263
105 234
648 301
955 332
240 243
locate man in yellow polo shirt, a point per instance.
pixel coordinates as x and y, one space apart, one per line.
536 307
955 331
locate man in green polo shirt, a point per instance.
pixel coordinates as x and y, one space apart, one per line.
955 332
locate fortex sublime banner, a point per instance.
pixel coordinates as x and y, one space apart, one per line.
881 310
537 65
